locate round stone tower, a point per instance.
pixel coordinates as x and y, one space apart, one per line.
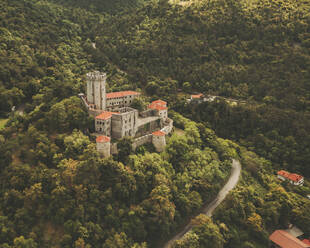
159 140
96 89
104 145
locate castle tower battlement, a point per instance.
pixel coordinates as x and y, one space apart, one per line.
96 75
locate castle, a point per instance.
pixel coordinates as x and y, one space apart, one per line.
115 119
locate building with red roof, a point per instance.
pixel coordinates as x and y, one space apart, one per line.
158 133
103 123
120 94
116 100
307 241
103 139
104 115
291 177
160 102
283 239
197 96
159 140
161 108
103 145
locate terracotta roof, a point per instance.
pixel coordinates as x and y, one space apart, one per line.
291 176
306 241
102 138
121 94
197 96
105 115
283 173
286 240
160 102
158 133
157 106
295 177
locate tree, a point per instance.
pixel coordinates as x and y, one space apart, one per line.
21 242
190 239
208 232
124 147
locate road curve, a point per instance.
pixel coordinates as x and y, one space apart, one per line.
208 210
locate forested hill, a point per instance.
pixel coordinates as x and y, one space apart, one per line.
112 7
55 189
259 51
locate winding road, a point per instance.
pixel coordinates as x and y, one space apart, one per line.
208 210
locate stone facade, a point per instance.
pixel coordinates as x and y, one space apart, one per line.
124 123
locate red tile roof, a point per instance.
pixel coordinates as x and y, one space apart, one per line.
157 106
103 138
295 177
197 96
158 133
291 176
105 115
306 241
286 240
160 102
283 173
121 94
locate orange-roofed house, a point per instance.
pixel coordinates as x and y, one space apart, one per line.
116 100
161 108
196 97
293 178
103 145
306 241
160 102
103 123
159 140
283 239
103 139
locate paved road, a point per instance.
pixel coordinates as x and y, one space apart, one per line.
208 210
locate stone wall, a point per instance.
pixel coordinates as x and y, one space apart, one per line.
148 113
124 124
91 111
168 126
141 141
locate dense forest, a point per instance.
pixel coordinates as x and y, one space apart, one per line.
55 189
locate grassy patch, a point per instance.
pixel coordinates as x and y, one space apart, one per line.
3 122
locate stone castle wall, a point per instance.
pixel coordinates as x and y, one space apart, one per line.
141 141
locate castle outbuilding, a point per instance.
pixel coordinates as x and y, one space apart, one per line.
115 119
159 140
103 145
